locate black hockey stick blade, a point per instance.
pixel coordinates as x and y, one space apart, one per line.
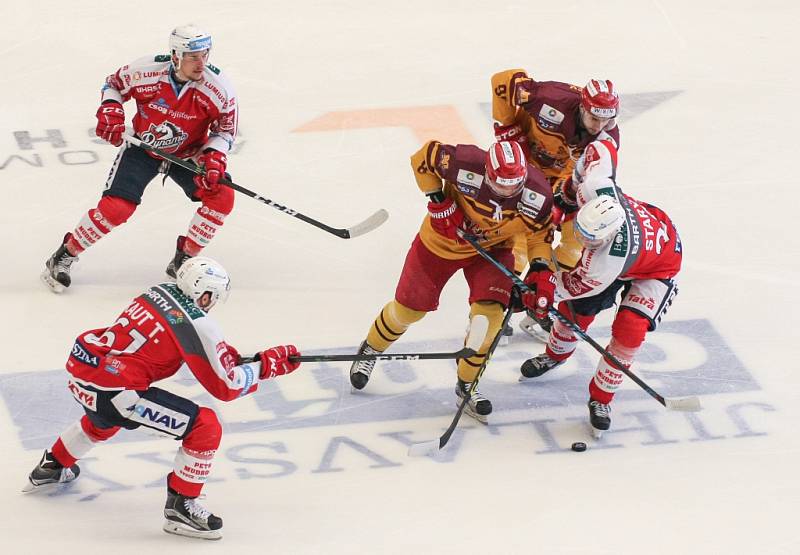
372 222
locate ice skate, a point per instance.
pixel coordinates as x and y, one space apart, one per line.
49 473
179 259
478 406
186 517
361 370
56 272
599 417
538 365
537 329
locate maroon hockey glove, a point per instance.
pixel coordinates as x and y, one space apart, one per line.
275 361
214 162
110 122
446 218
543 282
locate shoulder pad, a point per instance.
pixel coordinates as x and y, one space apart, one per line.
162 58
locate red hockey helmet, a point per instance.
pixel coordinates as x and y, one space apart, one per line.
506 168
600 99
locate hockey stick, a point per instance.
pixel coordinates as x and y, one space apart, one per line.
360 228
686 404
477 331
435 445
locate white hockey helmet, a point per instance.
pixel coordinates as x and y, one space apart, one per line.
598 221
204 281
187 38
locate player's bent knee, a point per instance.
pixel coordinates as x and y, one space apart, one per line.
206 432
115 209
629 328
493 311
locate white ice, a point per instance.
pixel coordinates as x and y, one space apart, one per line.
710 95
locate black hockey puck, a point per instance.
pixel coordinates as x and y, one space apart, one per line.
579 447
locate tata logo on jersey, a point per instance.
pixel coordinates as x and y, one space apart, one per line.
165 135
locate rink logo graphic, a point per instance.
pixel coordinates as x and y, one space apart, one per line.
81 354
682 358
159 418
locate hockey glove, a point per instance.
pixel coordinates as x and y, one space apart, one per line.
110 122
214 163
543 283
275 361
565 205
446 218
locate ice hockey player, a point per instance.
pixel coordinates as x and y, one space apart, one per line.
630 246
493 195
112 371
553 122
185 107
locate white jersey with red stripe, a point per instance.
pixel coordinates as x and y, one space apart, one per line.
161 330
646 247
180 120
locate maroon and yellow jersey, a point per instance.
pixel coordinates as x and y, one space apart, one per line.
458 171
548 112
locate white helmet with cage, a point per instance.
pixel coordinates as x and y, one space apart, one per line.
204 281
598 221
185 39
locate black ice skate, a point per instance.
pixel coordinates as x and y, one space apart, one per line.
56 272
538 365
538 329
599 417
179 259
186 517
361 370
478 406
49 473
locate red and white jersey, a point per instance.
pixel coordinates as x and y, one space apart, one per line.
161 330
647 246
202 114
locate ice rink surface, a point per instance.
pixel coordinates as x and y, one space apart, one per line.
335 97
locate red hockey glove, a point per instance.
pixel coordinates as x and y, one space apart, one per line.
275 361
446 218
214 162
564 204
543 282
512 132
110 122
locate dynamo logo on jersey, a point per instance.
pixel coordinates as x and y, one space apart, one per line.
165 135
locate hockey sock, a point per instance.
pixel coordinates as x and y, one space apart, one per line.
391 323
195 456
98 222
76 442
562 342
627 335
468 367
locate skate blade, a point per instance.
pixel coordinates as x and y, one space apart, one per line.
482 418
51 283
597 433
172 527
30 487
534 330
